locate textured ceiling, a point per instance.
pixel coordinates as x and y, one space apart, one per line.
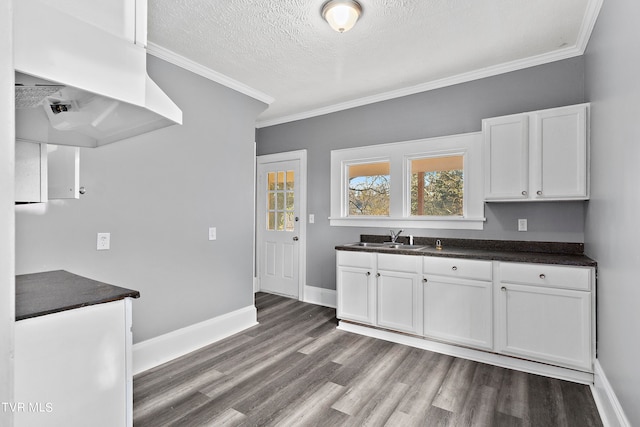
285 49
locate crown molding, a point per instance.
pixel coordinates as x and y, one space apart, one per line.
186 63
588 23
494 70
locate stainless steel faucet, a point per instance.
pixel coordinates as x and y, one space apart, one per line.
394 235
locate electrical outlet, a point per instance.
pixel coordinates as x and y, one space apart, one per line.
104 241
522 225
212 233
312 218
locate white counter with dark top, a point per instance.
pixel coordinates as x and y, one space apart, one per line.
73 351
39 294
570 254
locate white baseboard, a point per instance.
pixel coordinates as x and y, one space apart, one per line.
320 296
606 400
156 351
471 354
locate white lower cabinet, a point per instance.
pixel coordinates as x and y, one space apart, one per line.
380 289
399 293
550 322
356 291
538 312
458 311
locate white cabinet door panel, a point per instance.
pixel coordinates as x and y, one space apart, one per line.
356 296
546 324
506 151
459 312
398 301
561 150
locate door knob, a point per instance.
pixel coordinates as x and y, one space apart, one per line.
295 238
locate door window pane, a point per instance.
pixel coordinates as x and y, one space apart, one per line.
280 201
437 186
368 189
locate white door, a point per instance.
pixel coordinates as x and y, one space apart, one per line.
278 225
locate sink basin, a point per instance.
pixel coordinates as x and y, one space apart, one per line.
387 245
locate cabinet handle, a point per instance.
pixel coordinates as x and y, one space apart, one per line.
503 289
524 193
424 280
539 192
454 268
377 274
368 273
542 276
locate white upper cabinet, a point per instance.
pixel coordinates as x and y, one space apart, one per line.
506 145
542 155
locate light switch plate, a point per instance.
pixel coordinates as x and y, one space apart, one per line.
312 218
212 233
522 225
104 241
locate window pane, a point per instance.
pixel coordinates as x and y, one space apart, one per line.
272 201
280 199
290 180
369 189
271 221
271 181
437 186
289 226
280 223
280 180
290 205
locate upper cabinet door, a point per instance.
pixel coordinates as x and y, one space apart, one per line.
561 153
506 153
542 155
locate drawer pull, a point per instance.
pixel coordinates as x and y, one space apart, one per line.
368 273
539 193
377 274
542 276
454 268
503 289
524 193
424 280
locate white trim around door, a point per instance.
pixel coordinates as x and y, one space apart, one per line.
301 156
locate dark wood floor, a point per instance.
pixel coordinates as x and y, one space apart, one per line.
296 369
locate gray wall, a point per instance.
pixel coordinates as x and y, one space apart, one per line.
157 194
7 305
611 232
451 110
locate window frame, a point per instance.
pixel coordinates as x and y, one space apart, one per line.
399 155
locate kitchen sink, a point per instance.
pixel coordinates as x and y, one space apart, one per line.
387 245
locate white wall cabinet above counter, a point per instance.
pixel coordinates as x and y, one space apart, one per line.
538 156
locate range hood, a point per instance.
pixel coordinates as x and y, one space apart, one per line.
77 84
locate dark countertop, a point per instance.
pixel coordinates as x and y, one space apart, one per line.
39 294
492 250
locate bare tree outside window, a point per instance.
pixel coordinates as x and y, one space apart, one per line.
369 186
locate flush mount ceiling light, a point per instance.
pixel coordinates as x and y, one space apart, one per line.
341 14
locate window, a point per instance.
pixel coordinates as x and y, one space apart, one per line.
437 186
280 203
429 183
368 189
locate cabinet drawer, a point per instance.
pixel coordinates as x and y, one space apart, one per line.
406 263
356 259
546 275
456 267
